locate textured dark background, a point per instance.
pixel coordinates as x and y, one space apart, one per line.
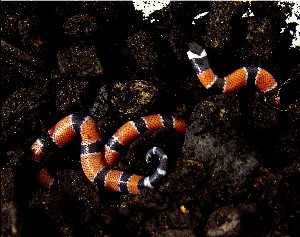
234 173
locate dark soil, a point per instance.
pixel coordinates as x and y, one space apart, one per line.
235 172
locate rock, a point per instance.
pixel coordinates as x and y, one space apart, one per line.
80 26
47 206
233 221
18 112
10 222
187 177
224 14
287 140
215 138
224 222
79 60
23 101
73 96
28 66
142 52
178 13
175 233
133 97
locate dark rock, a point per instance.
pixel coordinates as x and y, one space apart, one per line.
179 38
175 233
261 117
287 141
142 52
291 172
23 25
147 200
223 14
18 112
79 60
277 196
80 26
30 34
133 97
215 138
9 219
224 221
182 220
290 88
107 11
86 201
267 185
261 42
15 158
157 224
100 107
102 113
276 12
10 23
187 177
7 184
240 220
28 66
162 223
73 96
10 223
45 207
13 130
178 13
24 101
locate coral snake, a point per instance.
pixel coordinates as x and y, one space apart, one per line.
97 162
260 77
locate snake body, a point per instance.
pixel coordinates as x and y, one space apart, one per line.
97 162
261 78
